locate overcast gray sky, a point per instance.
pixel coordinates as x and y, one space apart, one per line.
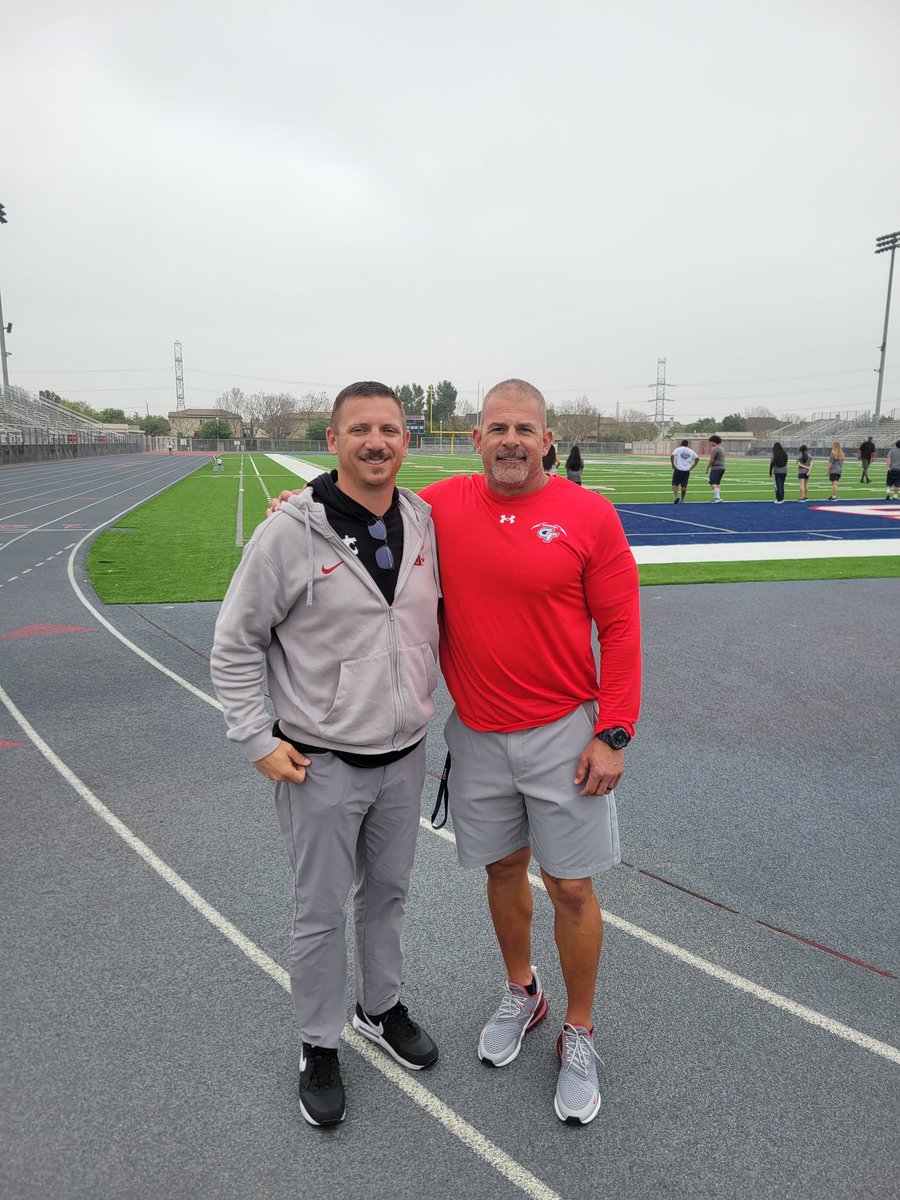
307 194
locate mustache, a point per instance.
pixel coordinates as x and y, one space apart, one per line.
375 457
512 456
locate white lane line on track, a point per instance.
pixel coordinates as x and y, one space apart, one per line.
70 570
56 475
801 1011
111 496
837 1028
451 1120
114 476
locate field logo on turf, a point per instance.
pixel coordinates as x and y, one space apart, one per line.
889 510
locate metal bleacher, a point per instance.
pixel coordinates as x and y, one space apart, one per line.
34 429
24 410
819 435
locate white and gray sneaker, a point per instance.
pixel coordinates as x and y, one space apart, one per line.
577 1090
501 1039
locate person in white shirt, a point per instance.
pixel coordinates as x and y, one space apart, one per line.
683 459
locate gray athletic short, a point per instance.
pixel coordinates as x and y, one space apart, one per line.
511 789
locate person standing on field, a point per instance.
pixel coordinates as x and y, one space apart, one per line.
334 603
835 468
715 468
804 466
537 744
683 460
574 466
778 465
529 566
866 454
893 472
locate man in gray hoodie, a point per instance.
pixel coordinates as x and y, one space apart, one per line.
335 602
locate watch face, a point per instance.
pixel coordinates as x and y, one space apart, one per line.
617 738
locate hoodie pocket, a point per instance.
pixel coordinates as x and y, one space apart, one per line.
418 679
370 710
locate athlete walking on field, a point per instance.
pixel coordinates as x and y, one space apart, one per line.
715 468
528 566
683 460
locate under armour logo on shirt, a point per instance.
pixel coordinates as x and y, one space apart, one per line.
504 517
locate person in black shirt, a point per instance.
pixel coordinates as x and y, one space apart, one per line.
866 454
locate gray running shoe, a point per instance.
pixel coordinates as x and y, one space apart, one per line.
501 1038
577 1090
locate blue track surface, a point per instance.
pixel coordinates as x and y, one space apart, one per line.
752 521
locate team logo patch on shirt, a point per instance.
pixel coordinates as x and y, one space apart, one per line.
547 532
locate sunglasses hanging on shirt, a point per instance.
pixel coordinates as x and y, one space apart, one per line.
383 555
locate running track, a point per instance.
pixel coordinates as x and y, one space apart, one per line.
147 1040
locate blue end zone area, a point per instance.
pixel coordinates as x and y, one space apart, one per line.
753 521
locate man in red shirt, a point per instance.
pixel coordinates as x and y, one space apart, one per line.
529 564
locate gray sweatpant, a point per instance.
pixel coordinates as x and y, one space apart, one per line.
344 825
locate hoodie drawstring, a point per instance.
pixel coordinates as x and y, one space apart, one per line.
310 573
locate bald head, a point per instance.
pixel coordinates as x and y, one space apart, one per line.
515 389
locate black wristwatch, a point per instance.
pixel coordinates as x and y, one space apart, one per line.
617 737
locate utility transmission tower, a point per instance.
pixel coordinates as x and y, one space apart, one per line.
179 379
659 413
890 241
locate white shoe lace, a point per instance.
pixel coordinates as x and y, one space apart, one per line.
511 1005
577 1048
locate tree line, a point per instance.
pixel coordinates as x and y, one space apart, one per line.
276 415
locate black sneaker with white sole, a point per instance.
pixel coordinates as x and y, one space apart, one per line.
396 1032
321 1087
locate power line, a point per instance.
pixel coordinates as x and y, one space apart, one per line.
102 371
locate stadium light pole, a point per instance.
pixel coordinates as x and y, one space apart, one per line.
889 241
5 372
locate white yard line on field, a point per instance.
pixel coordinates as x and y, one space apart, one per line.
760 551
306 470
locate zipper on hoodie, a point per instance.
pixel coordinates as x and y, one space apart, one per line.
400 719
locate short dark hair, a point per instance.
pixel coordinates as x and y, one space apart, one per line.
685 442
365 388
897 443
714 437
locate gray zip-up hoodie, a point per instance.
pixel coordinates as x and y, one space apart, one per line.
346 670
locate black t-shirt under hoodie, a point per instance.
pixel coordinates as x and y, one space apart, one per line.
350 522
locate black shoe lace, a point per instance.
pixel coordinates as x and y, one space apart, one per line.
324 1070
397 1020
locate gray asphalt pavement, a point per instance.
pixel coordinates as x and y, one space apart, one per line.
144 1054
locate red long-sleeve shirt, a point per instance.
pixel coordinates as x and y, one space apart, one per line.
523 578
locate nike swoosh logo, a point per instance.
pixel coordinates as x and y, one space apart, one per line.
328 570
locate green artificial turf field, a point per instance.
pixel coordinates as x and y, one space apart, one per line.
183 545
